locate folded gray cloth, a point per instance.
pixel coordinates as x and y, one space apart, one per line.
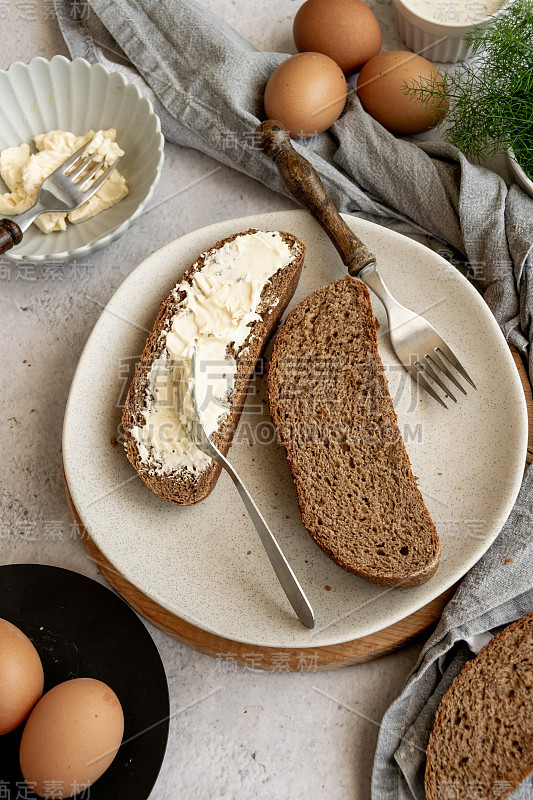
207 84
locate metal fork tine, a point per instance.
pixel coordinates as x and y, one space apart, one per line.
91 173
74 157
443 347
441 364
434 376
104 176
416 374
79 169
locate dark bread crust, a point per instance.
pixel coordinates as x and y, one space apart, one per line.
183 487
482 737
356 491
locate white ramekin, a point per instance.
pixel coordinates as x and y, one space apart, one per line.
517 174
436 41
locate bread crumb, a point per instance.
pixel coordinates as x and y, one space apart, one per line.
287 516
439 473
248 553
24 361
328 588
32 410
509 560
113 441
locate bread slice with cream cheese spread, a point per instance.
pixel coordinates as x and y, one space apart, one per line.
228 304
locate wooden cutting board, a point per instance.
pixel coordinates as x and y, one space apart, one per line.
231 653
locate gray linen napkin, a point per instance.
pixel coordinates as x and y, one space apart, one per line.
207 84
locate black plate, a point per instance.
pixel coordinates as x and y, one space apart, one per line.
83 630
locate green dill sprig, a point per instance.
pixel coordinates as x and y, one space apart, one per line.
490 98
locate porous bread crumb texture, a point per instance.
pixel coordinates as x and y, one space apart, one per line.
183 486
483 731
329 400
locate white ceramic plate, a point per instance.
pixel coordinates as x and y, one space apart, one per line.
76 96
205 562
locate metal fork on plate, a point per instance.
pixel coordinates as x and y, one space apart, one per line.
59 192
282 568
421 350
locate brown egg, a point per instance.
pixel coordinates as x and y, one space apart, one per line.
345 30
307 92
381 89
21 677
71 737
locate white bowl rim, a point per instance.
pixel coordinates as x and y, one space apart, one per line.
107 238
459 28
515 166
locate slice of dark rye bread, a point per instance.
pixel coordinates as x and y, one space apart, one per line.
183 486
329 400
481 744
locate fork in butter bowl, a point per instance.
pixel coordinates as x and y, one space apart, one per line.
24 172
69 186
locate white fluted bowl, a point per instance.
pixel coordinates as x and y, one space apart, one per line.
76 96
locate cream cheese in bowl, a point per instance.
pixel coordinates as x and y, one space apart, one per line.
24 172
39 97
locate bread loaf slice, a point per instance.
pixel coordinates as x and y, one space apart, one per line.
481 744
159 468
329 400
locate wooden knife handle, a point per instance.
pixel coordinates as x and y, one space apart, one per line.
303 182
10 234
